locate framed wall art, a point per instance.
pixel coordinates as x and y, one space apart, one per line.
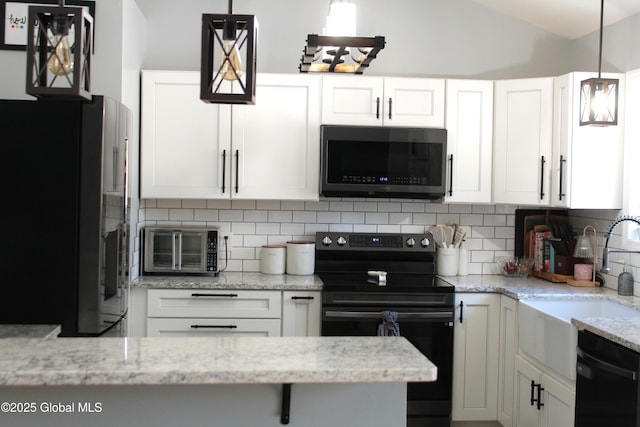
15 13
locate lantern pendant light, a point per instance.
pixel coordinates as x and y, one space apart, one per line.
228 59
59 44
598 96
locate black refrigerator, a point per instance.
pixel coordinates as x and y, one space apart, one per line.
65 214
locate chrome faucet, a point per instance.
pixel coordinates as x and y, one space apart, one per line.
606 251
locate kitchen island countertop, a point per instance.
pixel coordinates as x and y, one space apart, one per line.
214 360
29 331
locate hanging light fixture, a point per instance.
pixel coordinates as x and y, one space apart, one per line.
59 43
598 96
228 61
339 50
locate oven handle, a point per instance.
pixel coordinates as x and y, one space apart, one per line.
584 371
439 315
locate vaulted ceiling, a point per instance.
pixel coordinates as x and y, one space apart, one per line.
568 18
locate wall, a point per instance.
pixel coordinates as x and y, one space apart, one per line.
424 37
490 229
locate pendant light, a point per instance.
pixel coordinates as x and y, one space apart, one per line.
598 96
228 59
59 43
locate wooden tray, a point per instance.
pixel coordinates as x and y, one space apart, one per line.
555 278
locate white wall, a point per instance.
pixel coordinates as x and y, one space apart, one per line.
424 37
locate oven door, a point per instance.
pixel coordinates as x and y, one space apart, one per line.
430 331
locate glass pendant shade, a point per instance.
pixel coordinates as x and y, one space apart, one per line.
59 44
228 60
599 102
584 248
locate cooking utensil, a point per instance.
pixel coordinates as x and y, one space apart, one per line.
458 237
438 235
448 235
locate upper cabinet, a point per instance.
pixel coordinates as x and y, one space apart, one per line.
469 124
383 101
523 123
587 160
194 150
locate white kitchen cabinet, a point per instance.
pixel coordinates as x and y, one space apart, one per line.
182 139
523 129
469 124
195 312
475 357
540 399
506 366
194 150
301 311
587 160
383 101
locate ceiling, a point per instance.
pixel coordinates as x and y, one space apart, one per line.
568 18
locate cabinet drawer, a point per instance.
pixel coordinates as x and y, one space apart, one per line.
201 327
213 303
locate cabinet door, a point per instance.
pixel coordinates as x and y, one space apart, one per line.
213 303
523 139
580 179
182 139
301 312
559 404
475 357
201 327
413 102
352 100
526 411
508 348
469 141
276 142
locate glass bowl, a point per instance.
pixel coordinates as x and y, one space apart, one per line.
514 266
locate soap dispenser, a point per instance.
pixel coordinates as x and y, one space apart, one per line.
625 282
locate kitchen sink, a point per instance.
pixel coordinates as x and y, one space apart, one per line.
546 333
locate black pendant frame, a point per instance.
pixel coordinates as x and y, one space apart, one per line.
588 94
367 48
41 83
213 88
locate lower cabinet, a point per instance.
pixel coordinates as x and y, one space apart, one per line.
475 357
540 399
223 312
506 368
301 313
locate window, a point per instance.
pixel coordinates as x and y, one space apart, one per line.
630 230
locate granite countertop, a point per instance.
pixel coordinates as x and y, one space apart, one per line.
216 360
29 331
232 280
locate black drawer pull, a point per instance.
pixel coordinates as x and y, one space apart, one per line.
303 298
214 295
214 326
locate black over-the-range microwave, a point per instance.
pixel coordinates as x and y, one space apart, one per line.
394 162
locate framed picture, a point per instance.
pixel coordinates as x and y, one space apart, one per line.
15 14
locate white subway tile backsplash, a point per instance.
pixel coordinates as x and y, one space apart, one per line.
489 229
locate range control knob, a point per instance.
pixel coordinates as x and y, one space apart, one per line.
342 241
424 242
410 242
326 241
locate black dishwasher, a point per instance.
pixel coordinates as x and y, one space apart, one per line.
606 384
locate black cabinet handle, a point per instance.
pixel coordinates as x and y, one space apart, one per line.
214 295
237 163
451 175
214 327
301 298
461 308
542 162
533 386
539 402
390 108
285 412
562 161
224 170
377 107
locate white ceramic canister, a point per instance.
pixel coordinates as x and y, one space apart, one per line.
273 259
447 261
301 257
